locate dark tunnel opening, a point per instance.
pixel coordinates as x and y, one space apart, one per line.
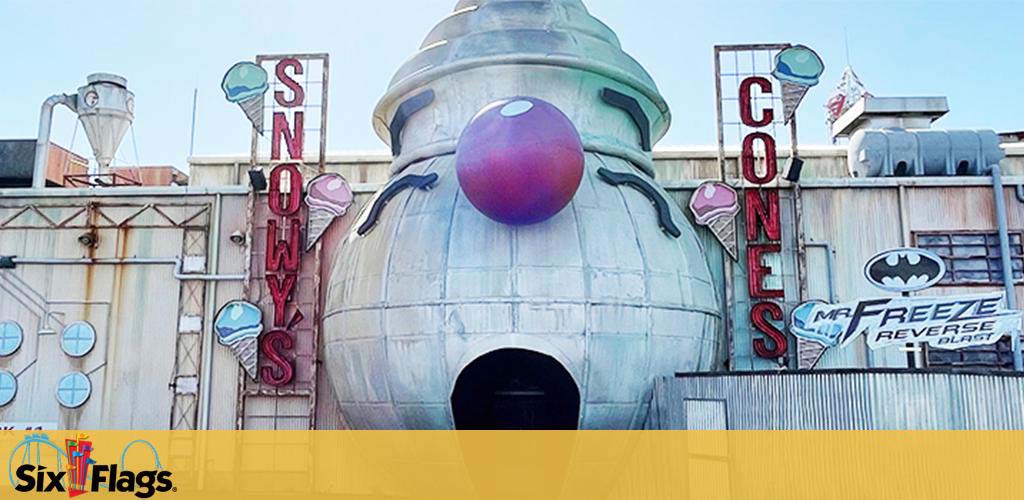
515 389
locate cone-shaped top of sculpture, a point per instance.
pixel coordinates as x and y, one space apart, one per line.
510 33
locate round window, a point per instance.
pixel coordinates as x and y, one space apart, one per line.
8 387
73 390
10 337
78 339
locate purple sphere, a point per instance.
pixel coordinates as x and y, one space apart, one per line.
520 161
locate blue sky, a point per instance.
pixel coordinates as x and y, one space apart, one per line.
970 51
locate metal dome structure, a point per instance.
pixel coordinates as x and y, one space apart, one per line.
438 317
511 34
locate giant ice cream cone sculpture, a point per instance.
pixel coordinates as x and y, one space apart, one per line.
245 84
238 326
541 194
715 205
798 68
328 197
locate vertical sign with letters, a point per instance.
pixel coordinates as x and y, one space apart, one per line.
284 227
758 88
286 271
764 231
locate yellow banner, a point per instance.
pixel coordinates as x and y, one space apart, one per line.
569 465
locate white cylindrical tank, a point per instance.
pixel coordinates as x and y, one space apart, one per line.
901 152
519 325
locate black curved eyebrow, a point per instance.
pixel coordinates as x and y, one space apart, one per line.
636 182
424 182
632 107
405 110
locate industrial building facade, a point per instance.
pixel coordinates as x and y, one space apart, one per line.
523 258
164 262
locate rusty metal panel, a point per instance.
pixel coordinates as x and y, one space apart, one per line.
846 400
123 285
856 224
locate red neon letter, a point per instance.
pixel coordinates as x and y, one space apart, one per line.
283 251
271 344
279 292
770 160
291 139
756 271
763 213
759 316
293 198
747 103
299 95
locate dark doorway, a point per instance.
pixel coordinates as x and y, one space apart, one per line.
512 389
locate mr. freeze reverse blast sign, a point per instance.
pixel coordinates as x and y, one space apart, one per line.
951 322
942 322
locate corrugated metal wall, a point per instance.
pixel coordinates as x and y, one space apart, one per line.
842 400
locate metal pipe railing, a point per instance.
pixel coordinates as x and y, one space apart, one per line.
176 262
206 367
1004 253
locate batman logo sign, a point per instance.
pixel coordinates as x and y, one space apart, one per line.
905 270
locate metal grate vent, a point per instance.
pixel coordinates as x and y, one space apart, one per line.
973 258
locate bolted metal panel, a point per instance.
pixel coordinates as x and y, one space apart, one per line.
844 400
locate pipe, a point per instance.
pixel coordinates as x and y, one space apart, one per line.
176 262
829 267
87 261
206 368
1019 191
205 277
43 139
1004 254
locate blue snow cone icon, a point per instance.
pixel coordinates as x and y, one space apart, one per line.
244 81
823 332
238 320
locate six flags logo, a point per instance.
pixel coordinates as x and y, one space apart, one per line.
82 474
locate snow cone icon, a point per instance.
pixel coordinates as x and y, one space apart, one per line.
238 326
715 205
798 68
328 197
804 326
522 269
245 84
